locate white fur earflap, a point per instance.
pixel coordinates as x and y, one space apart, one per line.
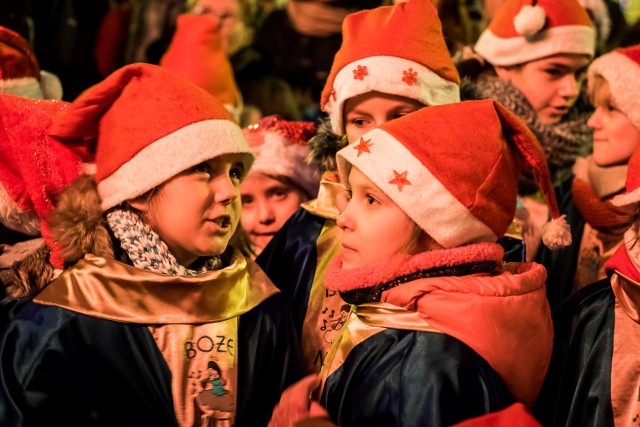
556 234
530 20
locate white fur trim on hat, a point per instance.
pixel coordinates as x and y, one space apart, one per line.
503 52
426 200
50 85
626 199
28 87
277 157
385 74
15 218
623 75
170 155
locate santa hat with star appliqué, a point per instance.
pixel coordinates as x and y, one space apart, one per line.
398 50
457 182
281 148
621 70
196 54
20 72
143 125
527 30
34 168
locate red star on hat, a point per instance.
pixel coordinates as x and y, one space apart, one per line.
400 179
363 146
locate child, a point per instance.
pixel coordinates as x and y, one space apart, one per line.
598 226
393 60
151 292
532 58
441 331
593 378
280 178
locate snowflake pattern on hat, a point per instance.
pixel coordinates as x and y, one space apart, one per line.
360 72
410 77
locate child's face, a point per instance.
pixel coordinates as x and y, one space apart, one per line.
369 110
551 85
267 203
374 228
197 211
615 139
233 30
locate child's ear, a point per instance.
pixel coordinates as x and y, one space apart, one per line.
503 73
140 203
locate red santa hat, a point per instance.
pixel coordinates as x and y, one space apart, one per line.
281 148
20 72
527 30
34 168
398 50
457 182
196 55
621 69
145 125
632 194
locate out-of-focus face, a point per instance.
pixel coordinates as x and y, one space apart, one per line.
197 211
615 138
234 31
369 110
267 203
551 85
374 228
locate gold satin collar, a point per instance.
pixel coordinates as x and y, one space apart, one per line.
112 290
325 205
390 316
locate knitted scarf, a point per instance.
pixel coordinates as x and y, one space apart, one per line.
147 251
562 143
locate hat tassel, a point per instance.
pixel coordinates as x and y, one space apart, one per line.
556 233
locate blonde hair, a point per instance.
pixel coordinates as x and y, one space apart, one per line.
598 90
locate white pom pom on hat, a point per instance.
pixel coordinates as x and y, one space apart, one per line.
530 20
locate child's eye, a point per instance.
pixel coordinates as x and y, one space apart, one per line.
611 108
348 195
553 72
370 199
203 167
358 122
237 172
246 200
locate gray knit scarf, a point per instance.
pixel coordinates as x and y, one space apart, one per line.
562 143
146 250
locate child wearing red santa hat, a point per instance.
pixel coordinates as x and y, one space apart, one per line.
533 59
20 72
151 293
393 60
441 329
597 225
280 178
593 378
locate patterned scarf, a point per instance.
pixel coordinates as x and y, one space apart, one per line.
562 143
147 251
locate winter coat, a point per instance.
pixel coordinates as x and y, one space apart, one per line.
451 337
106 343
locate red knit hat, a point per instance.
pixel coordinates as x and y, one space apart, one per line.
398 50
20 72
281 148
34 168
458 183
527 30
145 125
621 69
196 55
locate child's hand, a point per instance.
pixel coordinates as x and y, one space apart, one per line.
296 405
